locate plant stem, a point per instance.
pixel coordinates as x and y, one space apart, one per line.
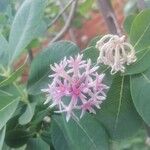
61 12
109 16
67 24
30 55
65 16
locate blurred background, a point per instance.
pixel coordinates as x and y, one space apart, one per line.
87 22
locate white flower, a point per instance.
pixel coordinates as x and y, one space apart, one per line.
115 52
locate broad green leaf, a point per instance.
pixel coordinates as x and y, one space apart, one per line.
140 31
5 147
40 67
2 78
7 109
136 142
91 53
40 30
139 37
12 76
3 5
25 25
128 23
46 136
140 90
3 51
37 144
94 41
39 117
28 114
141 64
17 138
58 136
8 105
78 135
13 122
41 110
3 21
20 148
2 136
117 112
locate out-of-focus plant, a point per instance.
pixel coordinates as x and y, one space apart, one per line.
137 142
115 104
132 6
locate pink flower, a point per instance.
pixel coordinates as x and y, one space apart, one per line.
76 86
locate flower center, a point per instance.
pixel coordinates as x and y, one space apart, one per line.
76 91
61 88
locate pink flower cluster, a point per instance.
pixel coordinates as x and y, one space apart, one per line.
76 85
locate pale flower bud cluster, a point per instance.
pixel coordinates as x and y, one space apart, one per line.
76 87
115 52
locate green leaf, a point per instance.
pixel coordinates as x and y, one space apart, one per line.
3 5
141 64
40 67
128 23
94 41
58 136
13 122
8 105
2 136
13 76
91 53
140 31
46 136
140 90
139 37
136 142
5 147
40 30
17 138
28 114
3 51
37 144
78 135
25 25
39 117
117 112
